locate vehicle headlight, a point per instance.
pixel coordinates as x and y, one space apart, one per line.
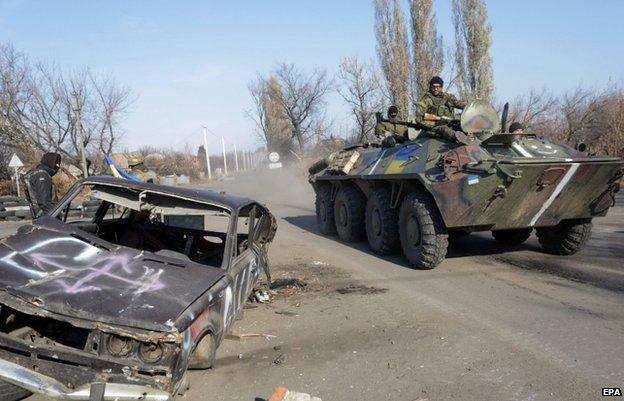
151 352
118 346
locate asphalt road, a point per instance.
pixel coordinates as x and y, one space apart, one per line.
489 323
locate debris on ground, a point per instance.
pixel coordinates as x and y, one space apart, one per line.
280 359
283 394
239 337
286 313
260 296
360 289
287 282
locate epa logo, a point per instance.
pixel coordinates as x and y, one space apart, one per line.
611 392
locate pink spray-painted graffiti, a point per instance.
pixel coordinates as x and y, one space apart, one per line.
80 270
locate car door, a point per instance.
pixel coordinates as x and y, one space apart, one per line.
244 266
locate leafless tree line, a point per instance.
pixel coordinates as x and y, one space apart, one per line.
289 107
37 103
407 65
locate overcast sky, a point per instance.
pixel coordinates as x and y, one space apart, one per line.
188 63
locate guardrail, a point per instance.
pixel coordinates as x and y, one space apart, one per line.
13 208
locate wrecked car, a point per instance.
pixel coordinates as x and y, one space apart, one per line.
119 306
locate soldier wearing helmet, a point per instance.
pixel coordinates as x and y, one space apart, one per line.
137 166
440 104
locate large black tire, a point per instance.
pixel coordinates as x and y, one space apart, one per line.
512 237
204 354
424 239
11 392
349 209
567 238
325 210
382 223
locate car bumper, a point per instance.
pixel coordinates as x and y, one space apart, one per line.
51 388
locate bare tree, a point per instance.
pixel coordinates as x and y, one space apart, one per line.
271 122
595 118
473 63
36 104
427 47
301 97
538 111
361 91
392 49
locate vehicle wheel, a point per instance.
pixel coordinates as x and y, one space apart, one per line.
566 238
382 223
349 209
325 210
424 239
512 237
11 392
204 354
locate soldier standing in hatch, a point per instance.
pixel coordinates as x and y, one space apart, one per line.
516 128
441 104
392 126
41 192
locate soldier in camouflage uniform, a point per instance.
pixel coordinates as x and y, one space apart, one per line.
441 104
391 127
139 169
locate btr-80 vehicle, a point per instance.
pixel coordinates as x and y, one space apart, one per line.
411 195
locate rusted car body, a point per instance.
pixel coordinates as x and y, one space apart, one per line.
120 306
412 195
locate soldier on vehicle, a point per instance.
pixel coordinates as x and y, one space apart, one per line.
392 126
41 192
137 166
438 105
516 128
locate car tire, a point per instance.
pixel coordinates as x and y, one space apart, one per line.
11 392
424 239
567 238
204 354
349 209
325 210
382 223
512 237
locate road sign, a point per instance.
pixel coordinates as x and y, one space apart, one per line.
273 157
15 161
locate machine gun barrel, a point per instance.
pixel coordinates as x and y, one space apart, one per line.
409 124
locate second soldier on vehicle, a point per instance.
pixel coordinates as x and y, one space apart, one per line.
392 126
440 104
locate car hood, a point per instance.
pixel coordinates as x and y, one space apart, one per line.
69 272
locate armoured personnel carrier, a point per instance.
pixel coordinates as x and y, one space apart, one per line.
411 195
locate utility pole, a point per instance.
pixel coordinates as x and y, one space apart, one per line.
224 160
206 150
236 157
85 173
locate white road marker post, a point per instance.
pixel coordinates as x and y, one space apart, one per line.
206 150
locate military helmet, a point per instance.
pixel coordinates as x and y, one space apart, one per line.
135 159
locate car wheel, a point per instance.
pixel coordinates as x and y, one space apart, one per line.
349 208
512 237
424 239
204 354
382 223
11 392
567 238
325 210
